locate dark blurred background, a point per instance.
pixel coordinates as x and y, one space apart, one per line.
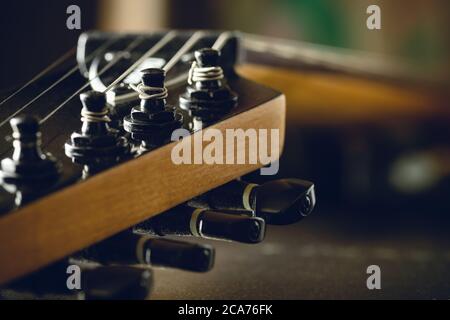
33 33
381 166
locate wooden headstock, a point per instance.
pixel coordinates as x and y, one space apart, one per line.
78 211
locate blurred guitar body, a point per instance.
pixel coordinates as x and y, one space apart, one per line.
369 130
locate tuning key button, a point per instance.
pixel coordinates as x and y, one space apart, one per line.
132 248
207 97
28 168
117 283
96 282
178 254
96 145
283 201
187 221
152 122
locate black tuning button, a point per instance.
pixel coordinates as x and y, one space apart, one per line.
96 282
283 201
132 248
207 97
116 283
152 122
186 221
96 145
29 170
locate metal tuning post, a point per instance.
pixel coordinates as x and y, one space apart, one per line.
29 171
96 145
207 97
152 122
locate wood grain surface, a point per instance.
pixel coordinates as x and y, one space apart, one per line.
105 204
327 98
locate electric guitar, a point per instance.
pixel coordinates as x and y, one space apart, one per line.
113 168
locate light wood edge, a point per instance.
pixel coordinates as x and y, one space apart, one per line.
93 210
322 98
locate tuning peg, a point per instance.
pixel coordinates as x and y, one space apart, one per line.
152 122
96 282
186 221
29 169
131 248
207 97
96 145
283 201
117 283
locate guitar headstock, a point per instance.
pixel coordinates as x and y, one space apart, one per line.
111 163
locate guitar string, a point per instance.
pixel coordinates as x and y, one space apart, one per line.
189 43
221 40
186 47
40 74
143 90
193 39
197 73
218 45
158 46
66 75
116 59
196 36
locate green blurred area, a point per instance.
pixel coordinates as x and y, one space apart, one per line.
417 30
318 21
